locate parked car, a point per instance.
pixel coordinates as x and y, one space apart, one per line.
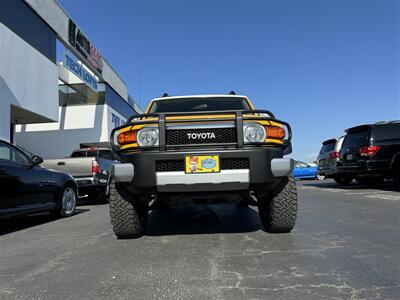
26 187
90 167
304 170
370 153
328 157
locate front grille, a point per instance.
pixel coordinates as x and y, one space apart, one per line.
179 165
170 165
234 163
191 136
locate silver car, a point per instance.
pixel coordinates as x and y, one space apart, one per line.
328 157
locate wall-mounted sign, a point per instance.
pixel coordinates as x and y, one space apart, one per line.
117 121
81 43
72 64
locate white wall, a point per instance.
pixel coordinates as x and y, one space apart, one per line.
78 124
27 79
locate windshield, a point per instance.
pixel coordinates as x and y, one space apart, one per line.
387 132
327 147
199 104
354 140
300 164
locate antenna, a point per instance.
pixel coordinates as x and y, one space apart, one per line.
165 95
232 93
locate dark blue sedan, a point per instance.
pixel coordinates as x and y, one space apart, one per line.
303 170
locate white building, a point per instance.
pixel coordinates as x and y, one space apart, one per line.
49 108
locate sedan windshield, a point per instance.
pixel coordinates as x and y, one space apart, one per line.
199 104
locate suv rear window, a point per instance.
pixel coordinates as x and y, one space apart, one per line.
199 104
355 139
327 147
387 132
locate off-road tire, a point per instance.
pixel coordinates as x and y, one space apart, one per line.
128 218
278 209
342 180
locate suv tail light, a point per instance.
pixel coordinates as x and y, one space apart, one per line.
334 155
369 150
95 167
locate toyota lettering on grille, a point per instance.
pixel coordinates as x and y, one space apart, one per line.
201 135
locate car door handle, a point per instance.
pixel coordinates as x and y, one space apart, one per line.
61 163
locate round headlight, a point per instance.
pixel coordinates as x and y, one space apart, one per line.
147 137
254 133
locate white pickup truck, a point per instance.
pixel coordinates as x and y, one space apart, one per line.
91 169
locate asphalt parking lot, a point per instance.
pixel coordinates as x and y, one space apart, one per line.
346 245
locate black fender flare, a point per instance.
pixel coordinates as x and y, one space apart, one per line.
395 160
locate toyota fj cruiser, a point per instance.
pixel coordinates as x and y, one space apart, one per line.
209 149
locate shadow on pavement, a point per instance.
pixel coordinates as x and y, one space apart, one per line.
386 186
90 201
203 219
27 221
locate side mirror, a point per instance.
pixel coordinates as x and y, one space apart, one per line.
37 160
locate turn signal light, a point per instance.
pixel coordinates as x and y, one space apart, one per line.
275 132
127 137
369 150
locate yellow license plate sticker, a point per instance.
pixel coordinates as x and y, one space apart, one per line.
202 164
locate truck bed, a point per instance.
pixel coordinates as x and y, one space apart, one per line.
75 166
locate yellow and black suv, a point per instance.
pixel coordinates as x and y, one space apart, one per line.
202 149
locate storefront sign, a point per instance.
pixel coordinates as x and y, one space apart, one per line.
117 121
81 43
72 64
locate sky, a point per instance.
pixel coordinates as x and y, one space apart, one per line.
321 65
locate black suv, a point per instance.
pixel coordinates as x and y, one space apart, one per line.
371 153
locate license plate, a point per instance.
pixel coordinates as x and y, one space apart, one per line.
349 157
202 164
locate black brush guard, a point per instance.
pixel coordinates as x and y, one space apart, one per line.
238 119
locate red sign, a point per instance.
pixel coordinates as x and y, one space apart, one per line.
81 43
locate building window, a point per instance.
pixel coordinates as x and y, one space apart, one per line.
80 94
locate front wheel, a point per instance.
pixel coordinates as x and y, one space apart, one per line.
128 215
278 209
68 201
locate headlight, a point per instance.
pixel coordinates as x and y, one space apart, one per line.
147 137
254 133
